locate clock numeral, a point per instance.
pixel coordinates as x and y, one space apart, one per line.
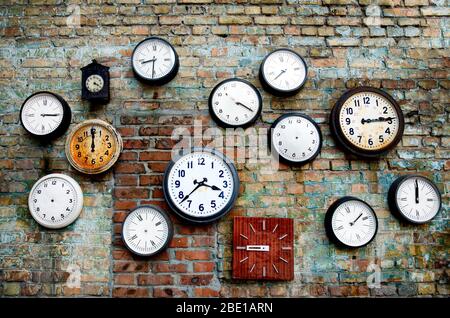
44 102
201 161
77 146
180 195
366 100
387 131
348 121
189 203
225 184
177 183
133 237
359 138
221 195
181 173
109 145
357 103
139 217
365 218
385 110
201 207
213 204
220 173
79 154
190 164
380 138
351 131
370 142
349 111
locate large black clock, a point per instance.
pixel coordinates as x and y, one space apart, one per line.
95 82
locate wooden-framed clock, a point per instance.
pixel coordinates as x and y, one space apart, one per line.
235 103
283 72
155 61
296 138
55 201
95 82
201 186
147 230
351 222
45 115
263 248
367 122
414 198
93 146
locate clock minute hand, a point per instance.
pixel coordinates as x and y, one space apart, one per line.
353 223
417 191
374 120
281 73
240 104
199 184
148 61
93 139
47 115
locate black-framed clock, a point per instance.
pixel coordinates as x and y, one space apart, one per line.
45 115
367 122
414 198
155 61
147 230
283 72
351 222
95 82
235 102
296 138
201 186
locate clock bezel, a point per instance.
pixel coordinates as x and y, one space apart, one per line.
162 80
339 137
393 203
276 91
227 125
202 220
329 217
169 227
280 157
65 121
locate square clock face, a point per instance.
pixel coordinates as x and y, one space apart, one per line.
263 248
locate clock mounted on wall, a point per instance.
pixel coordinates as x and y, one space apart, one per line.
95 82
263 248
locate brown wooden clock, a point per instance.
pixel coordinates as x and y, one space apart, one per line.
263 248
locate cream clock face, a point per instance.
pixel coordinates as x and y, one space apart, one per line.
94 83
55 201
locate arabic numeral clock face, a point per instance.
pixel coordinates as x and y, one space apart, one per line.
147 230
93 146
155 61
415 198
367 122
45 115
283 72
201 186
351 222
235 103
296 138
55 201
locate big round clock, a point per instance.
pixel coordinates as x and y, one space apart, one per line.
45 115
155 61
414 198
283 72
147 230
235 103
296 138
93 146
351 222
55 201
367 122
201 186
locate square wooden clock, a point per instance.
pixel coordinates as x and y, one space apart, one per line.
263 248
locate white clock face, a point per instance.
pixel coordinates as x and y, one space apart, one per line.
94 83
369 121
200 185
55 201
417 199
235 102
147 231
42 114
284 70
153 59
296 138
354 223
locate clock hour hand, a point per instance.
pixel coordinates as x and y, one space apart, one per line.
48 115
375 120
353 223
417 191
148 61
93 139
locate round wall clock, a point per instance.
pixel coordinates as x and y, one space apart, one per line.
93 146
94 83
235 103
367 122
45 115
201 186
147 230
283 72
155 61
414 198
351 222
55 201
296 138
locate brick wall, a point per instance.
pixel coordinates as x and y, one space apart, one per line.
400 46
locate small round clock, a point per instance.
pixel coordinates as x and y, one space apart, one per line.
94 83
45 115
283 72
351 222
296 138
235 103
201 186
55 201
147 230
367 122
93 146
414 198
155 61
